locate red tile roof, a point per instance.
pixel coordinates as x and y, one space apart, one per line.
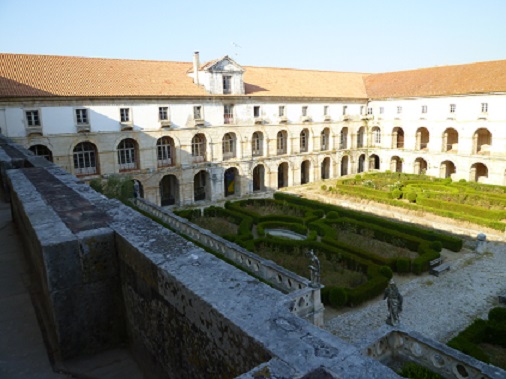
482 77
24 75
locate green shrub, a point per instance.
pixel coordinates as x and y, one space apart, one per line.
403 265
411 196
332 215
436 246
415 371
358 177
323 187
386 271
396 194
337 297
462 181
497 314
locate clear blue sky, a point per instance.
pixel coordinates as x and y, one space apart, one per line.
353 35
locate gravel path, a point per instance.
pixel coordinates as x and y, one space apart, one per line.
438 307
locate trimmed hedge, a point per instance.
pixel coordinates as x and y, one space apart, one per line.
492 331
449 242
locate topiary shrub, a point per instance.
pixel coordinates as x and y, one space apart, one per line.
332 215
411 196
462 181
436 246
323 187
358 177
386 272
403 265
396 194
338 297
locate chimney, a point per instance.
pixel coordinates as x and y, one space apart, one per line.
196 66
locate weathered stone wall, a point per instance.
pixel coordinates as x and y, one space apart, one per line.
305 300
73 263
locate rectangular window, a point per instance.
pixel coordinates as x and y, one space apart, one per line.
163 113
227 84
424 108
369 110
82 116
256 111
32 118
281 111
382 110
197 112
345 110
124 114
399 110
325 110
362 109
453 108
484 107
228 114
304 111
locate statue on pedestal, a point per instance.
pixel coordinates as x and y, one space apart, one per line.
394 302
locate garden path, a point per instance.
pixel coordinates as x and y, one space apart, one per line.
438 307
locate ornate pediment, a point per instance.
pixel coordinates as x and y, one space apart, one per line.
225 64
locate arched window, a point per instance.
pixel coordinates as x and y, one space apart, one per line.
199 148
343 138
422 139
42 151
360 137
127 155
376 136
304 141
281 142
324 139
256 144
85 159
165 151
228 146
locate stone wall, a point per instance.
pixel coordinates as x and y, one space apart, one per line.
107 275
305 301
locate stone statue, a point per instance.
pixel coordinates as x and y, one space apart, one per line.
314 267
394 302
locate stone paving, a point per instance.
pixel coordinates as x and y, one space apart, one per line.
23 353
438 307
22 350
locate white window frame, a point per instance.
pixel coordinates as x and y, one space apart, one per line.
128 155
78 116
304 141
228 146
256 144
85 161
227 84
125 111
163 113
165 151
198 110
453 108
33 118
228 114
424 109
484 107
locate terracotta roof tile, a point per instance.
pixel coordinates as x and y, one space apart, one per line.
482 77
44 75
24 75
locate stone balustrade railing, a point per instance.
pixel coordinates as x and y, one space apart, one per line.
304 300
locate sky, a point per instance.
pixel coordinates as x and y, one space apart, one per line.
354 35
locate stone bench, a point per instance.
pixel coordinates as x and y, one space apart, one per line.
438 267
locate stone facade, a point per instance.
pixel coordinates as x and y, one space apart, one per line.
189 150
